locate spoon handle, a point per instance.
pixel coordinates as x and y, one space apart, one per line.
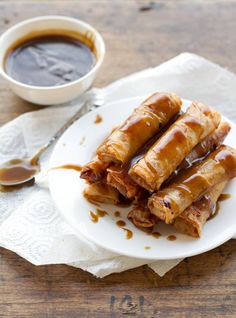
94 102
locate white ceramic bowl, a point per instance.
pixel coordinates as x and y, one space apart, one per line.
55 94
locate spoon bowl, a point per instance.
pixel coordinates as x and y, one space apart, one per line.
17 171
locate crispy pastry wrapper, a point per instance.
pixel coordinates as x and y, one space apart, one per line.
141 217
119 179
174 145
192 220
145 121
171 201
94 171
189 222
207 145
102 193
117 176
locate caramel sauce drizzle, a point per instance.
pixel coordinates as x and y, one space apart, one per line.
120 223
98 119
129 233
117 214
157 235
69 167
95 216
171 238
224 196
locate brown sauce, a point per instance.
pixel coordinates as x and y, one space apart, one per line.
217 210
117 214
69 167
156 234
95 216
49 60
224 196
129 233
226 159
147 247
171 238
101 213
98 119
120 223
17 171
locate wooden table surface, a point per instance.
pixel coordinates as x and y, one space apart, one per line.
137 35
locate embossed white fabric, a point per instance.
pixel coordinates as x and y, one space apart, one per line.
31 226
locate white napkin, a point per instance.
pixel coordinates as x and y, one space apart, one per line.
31 226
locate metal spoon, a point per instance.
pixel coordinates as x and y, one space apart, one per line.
19 171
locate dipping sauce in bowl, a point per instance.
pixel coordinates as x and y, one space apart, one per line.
49 60
52 59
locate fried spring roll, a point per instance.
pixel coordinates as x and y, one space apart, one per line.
171 201
141 217
118 178
192 220
145 121
102 193
207 145
94 170
174 145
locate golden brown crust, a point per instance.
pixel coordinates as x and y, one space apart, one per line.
192 220
141 217
102 193
145 121
94 171
207 145
174 145
171 201
118 178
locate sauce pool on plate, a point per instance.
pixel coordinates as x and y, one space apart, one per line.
49 60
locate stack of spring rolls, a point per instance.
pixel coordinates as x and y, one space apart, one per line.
172 165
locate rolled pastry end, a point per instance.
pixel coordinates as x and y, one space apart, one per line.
94 170
102 193
141 217
161 208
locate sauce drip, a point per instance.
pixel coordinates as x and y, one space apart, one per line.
69 167
120 223
101 213
224 196
95 216
171 238
49 60
217 210
117 214
98 119
129 233
157 235
147 247
17 171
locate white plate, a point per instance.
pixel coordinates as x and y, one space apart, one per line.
66 189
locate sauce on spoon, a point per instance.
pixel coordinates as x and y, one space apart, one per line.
17 171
